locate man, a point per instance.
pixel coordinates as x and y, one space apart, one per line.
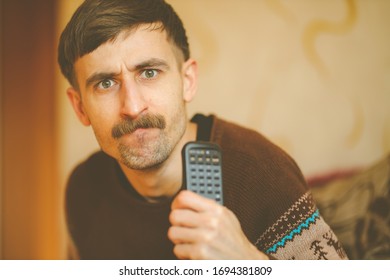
131 75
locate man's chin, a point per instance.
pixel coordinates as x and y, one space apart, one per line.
142 157
141 165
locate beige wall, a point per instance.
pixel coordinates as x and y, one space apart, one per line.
313 76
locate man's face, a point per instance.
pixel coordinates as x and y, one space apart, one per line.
132 91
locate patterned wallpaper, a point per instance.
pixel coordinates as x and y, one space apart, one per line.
313 76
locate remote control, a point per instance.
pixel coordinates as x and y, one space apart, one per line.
202 169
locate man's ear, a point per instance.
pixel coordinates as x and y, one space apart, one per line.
190 79
77 104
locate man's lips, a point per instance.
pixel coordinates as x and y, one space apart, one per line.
140 132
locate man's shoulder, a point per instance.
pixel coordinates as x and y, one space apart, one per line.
244 148
236 137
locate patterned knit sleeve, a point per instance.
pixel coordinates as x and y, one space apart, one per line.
298 231
301 233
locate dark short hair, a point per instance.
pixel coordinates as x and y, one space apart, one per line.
98 21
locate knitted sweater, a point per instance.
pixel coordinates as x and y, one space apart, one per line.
262 185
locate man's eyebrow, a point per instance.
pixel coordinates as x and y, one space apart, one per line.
99 76
150 63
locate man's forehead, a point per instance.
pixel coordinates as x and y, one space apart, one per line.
134 43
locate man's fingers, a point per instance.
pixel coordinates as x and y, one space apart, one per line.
191 200
184 217
179 235
183 251
190 251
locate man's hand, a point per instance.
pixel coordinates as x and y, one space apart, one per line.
203 229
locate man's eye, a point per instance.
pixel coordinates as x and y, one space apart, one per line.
105 84
149 73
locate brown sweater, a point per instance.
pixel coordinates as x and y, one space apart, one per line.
262 185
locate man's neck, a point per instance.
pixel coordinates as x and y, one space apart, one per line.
162 182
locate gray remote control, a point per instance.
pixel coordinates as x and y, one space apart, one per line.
202 169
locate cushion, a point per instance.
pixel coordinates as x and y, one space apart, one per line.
357 207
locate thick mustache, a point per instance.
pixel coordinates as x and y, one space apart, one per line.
128 126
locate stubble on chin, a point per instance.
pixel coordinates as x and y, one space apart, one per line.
148 156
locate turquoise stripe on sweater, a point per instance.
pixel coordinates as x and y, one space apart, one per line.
294 232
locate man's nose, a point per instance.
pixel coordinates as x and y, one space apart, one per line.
133 101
